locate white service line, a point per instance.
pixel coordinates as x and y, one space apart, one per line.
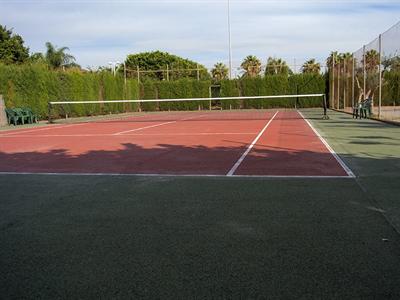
334 154
240 160
156 125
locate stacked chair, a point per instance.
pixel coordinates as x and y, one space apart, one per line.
363 109
22 116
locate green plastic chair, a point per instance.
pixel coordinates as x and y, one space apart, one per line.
22 115
32 117
12 117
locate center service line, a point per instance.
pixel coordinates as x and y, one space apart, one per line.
240 160
156 125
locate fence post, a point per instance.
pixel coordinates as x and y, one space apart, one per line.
380 76
125 73
338 86
352 81
198 72
344 83
167 72
333 81
138 74
209 95
365 75
3 116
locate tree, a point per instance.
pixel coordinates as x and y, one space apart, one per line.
371 60
37 57
277 66
311 67
391 64
163 65
332 60
251 66
12 49
219 72
57 58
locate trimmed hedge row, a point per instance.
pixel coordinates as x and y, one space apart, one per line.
35 85
183 88
274 85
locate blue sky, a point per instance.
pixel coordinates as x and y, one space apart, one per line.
99 31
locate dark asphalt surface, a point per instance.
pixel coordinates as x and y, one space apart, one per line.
199 238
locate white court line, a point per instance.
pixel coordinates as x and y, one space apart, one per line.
335 155
240 160
133 134
40 129
56 126
156 125
145 127
178 175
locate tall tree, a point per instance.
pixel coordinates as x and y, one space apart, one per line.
391 64
332 60
311 67
12 49
57 58
163 65
371 60
277 66
251 66
219 72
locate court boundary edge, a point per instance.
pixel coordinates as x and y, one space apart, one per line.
348 171
178 175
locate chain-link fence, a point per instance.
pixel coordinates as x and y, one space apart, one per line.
369 75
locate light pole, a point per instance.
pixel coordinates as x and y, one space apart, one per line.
229 39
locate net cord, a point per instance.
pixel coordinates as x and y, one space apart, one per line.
185 99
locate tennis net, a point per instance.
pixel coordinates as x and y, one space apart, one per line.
61 111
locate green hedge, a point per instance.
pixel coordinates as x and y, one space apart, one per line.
35 85
274 85
183 88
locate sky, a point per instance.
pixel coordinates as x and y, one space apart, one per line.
99 31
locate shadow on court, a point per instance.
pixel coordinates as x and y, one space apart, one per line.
176 160
169 237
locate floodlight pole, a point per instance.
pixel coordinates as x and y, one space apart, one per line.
364 75
380 76
229 39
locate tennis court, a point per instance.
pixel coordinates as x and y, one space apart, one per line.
209 143
211 236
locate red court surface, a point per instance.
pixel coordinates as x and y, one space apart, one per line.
233 143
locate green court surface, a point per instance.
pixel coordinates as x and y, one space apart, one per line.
122 237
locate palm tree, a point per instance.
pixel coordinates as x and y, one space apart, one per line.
57 58
347 60
371 60
277 66
332 60
333 63
219 72
311 67
251 66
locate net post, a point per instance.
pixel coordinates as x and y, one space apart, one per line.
49 110
325 116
